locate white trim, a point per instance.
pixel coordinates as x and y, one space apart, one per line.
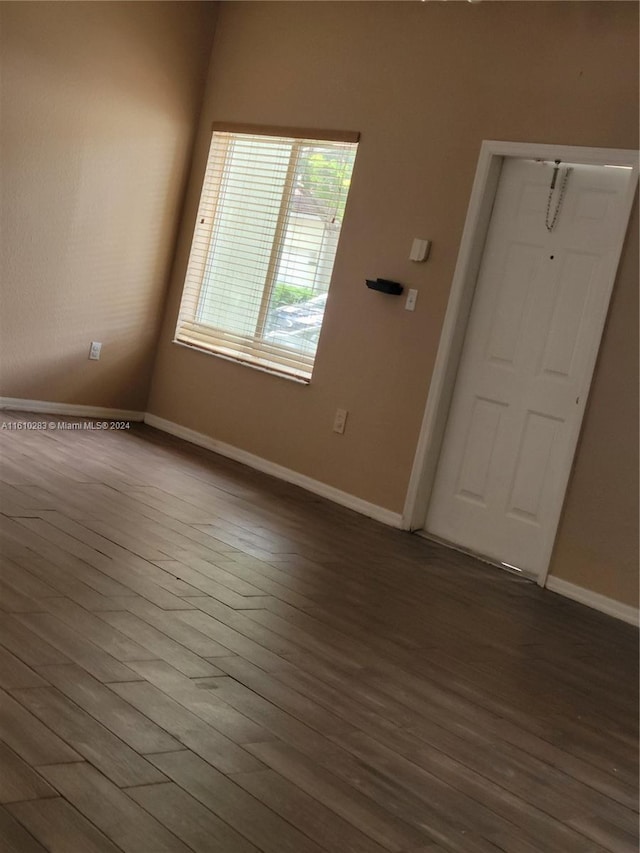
593 599
451 340
386 516
492 154
18 404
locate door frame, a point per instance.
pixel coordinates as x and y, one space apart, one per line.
485 185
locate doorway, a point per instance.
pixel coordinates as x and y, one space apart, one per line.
529 301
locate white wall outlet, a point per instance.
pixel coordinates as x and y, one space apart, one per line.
410 304
340 420
94 350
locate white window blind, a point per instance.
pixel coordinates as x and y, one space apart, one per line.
264 245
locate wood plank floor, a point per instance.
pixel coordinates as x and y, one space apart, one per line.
197 657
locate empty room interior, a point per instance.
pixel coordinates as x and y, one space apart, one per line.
319 429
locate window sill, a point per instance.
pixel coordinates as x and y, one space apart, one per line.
246 362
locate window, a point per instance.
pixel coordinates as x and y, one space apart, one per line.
264 245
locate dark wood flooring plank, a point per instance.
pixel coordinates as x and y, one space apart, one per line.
127 507
19 577
433 814
322 641
173 540
426 684
233 805
490 674
533 822
91 739
233 640
353 619
105 512
114 713
513 842
29 737
210 569
104 538
17 498
76 647
27 645
127 825
167 504
162 646
18 781
269 716
110 576
477 722
304 812
14 673
170 624
337 701
519 770
61 828
12 601
202 701
207 585
593 743
472 814
360 690
294 703
101 573
31 567
59 556
239 539
110 557
13 510
263 583
190 821
462 843
265 571
16 839
607 833
189 729
429 848
240 624
94 629
344 800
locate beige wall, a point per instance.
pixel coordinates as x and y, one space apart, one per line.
99 102
424 84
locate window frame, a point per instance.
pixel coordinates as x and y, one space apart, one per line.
251 351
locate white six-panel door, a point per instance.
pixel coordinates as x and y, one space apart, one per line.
538 312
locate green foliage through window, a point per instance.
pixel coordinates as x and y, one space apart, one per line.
327 176
290 294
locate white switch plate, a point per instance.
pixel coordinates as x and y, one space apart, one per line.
94 351
340 421
420 250
410 304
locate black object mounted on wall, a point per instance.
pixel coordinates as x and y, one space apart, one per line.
385 286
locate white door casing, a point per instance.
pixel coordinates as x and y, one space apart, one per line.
527 352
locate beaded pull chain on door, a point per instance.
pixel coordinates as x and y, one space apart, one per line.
563 187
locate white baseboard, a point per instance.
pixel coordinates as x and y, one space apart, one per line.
593 599
386 516
45 407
